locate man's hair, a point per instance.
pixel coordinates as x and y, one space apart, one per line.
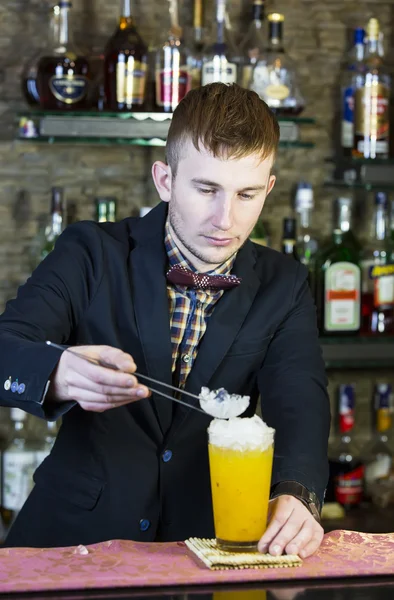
227 120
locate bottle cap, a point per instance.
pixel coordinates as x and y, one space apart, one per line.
344 201
17 414
276 18
381 199
373 28
359 35
304 195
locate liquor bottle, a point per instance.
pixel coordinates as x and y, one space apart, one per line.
378 457
49 230
289 239
173 77
194 58
19 463
63 74
338 277
45 444
125 65
371 139
307 245
56 223
346 468
254 44
274 76
260 234
377 299
106 210
218 62
351 80
29 73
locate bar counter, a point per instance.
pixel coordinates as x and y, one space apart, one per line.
348 565
341 589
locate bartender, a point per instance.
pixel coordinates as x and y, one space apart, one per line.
128 464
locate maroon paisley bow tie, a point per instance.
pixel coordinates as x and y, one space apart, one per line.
179 275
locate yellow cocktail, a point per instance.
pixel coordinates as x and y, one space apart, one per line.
240 458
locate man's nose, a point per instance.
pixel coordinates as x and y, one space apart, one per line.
223 217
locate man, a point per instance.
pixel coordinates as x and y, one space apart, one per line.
133 466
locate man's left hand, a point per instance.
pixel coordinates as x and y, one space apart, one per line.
291 528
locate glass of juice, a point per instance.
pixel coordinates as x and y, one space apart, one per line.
240 459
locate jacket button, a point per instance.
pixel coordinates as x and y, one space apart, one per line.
167 456
144 524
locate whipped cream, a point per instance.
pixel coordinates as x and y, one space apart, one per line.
222 405
241 434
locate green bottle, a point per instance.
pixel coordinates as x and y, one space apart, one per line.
56 222
106 210
338 276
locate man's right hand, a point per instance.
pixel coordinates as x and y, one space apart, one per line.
94 387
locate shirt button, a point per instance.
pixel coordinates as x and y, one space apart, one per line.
186 358
144 524
167 456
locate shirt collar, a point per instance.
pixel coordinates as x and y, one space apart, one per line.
175 256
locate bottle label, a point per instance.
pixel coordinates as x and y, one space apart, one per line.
372 119
349 486
277 91
69 89
384 291
259 78
18 469
342 297
221 71
172 86
383 419
346 408
348 118
383 407
377 469
130 82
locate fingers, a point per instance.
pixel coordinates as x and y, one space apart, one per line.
314 544
292 529
280 513
97 402
117 357
102 375
96 387
114 386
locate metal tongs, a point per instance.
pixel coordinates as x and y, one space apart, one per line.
107 365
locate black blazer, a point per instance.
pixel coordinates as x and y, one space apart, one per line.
107 476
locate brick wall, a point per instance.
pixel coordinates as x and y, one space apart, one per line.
316 33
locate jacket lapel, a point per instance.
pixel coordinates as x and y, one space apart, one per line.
223 326
148 262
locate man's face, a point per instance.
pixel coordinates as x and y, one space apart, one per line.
214 203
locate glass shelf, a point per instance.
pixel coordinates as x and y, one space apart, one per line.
135 115
139 128
358 352
157 142
348 160
362 185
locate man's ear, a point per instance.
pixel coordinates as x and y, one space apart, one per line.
162 178
271 183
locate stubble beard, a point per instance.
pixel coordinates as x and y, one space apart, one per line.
204 257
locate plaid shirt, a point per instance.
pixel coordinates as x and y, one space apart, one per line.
190 310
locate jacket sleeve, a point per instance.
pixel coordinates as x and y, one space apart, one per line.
294 398
47 307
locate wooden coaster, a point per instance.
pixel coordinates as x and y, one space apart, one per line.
215 558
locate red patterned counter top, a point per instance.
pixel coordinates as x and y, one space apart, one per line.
122 563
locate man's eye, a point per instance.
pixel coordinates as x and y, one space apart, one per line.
246 196
206 191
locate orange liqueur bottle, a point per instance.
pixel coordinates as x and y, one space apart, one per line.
125 65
